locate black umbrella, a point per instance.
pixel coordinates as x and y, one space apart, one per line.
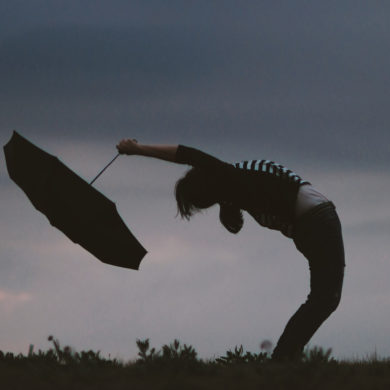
71 204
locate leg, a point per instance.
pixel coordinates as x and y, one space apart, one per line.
318 236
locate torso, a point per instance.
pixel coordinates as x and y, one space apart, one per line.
307 198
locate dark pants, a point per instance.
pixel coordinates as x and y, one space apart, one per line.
318 236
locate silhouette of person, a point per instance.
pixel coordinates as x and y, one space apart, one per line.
278 199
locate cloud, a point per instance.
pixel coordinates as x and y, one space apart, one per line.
12 300
110 63
289 81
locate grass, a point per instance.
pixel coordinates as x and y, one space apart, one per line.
177 366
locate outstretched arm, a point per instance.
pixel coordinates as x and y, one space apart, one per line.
163 152
179 154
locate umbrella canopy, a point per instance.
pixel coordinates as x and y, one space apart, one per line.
72 205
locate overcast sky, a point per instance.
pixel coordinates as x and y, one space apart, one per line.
305 84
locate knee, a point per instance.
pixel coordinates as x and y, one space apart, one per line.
333 302
326 303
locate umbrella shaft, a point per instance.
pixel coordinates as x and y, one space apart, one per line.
104 168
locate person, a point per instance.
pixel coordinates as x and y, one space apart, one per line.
277 198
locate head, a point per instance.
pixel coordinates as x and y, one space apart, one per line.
195 191
199 189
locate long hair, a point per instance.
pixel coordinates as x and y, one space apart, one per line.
199 189
231 217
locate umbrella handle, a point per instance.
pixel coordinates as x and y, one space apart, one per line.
104 168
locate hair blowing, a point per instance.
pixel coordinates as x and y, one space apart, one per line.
198 189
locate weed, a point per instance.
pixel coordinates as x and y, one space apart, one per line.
177 365
238 356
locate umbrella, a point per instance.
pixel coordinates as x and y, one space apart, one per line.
71 204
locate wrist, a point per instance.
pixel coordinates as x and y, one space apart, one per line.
142 150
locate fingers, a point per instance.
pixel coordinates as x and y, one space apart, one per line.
125 145
125 140
120 146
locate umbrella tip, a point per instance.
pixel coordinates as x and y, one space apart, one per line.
15 133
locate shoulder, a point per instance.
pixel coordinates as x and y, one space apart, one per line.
197 158
255 165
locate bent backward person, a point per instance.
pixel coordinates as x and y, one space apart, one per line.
277 199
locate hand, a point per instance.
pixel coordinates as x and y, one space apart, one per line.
128 146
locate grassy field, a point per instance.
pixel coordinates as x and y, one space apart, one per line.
177 366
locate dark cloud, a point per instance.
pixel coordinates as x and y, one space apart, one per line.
306 80
82 62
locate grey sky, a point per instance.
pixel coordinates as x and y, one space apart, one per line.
303 83
291 71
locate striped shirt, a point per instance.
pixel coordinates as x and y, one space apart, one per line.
268 167
265 189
